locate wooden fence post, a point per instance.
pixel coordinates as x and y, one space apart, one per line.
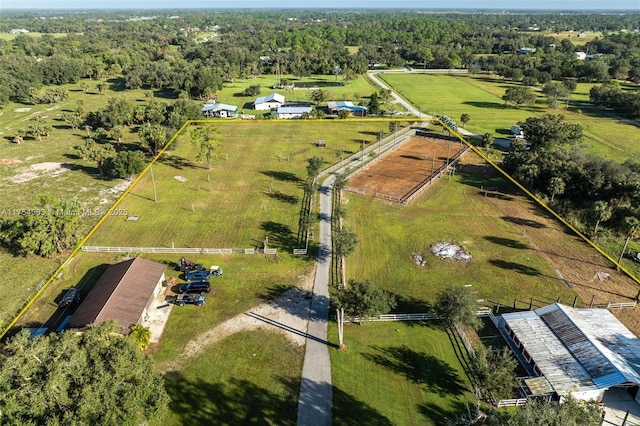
530 303
575 300
591 303
514 303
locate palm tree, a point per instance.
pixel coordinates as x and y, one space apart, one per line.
556 186
602 212
464 118
632 225
141 334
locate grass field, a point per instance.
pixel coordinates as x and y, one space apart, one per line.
481 98
353 90
63 175
248 378
254 189
502 268
397 374
8 36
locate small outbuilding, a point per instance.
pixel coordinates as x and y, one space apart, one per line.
337 106
582 352
220 111
271 101
124 293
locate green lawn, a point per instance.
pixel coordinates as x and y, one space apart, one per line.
353 90
400 373
248 378
253 190
503 266
481 98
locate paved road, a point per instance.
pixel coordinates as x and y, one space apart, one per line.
316 393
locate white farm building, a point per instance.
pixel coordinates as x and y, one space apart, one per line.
581 352
271 101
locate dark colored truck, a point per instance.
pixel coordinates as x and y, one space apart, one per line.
189 299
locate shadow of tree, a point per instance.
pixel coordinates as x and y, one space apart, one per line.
525 222
281 176
280 235
434 374
175 162
234 402
507 242
518 267
285 198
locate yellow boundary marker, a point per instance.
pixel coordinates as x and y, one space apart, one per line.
540 203
92 231
187 123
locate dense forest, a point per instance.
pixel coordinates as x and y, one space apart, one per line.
197 52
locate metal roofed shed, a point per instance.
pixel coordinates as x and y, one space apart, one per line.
292 112
579 351
335 107
220 110
271 101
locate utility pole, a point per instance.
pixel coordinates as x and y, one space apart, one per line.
153 183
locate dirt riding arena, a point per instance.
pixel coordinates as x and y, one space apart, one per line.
400 172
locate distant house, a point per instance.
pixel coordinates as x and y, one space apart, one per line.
271 101
582 352
220 111
581 56
292 111
123 293
18 31
525 50
335 107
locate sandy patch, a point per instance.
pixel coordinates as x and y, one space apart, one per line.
9 161
121 187
288 314
22 110
49 169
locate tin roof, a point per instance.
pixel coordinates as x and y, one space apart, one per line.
272 97
219 107
578 349
121 293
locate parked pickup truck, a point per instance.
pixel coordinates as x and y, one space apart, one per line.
189 299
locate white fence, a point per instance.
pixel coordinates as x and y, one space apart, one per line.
518 402
410 317
98 249
621 305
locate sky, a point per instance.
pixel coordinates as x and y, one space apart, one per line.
577 5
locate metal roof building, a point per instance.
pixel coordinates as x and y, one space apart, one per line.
579 351
292 111
337 106
271 101
220 110
123 293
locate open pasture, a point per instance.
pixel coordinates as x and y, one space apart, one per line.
253 190
518 250
404 169
605 134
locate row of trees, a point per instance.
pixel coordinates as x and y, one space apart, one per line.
163 53
591 190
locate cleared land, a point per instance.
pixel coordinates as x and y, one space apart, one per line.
481 97
517 248
404 169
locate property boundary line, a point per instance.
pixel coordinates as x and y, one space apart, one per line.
540 202
104 217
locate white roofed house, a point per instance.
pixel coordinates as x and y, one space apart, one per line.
292 111
269 102
577 352
220 111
